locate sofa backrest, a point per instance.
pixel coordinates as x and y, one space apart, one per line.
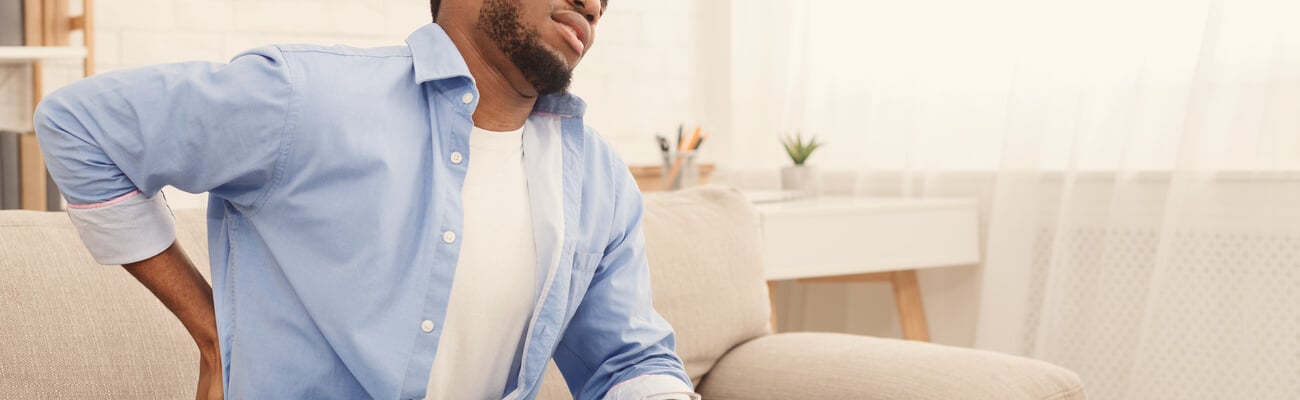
706 270
703 246
72 328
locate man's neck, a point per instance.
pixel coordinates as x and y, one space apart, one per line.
502 105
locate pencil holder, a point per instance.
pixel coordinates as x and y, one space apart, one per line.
680 171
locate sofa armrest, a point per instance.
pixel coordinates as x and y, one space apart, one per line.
839 366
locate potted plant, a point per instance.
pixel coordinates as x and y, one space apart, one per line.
799 177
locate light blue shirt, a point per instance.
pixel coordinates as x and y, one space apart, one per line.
335 209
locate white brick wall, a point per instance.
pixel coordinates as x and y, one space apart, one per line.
133 33
637 81
639 78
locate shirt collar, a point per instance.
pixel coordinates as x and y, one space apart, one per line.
436 58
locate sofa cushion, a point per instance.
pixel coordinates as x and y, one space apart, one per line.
74 329
839 366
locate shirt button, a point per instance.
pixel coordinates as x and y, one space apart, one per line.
449 237
426 326
456 157
467 98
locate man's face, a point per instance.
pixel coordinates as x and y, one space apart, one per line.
545 39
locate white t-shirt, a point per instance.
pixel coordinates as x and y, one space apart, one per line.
492 294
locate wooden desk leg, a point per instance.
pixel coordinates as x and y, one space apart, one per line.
911 313
771 300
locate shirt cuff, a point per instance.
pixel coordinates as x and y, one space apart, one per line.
657 387
124 230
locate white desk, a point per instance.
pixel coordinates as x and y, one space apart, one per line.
870 239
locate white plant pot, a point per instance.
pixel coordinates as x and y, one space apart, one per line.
801 178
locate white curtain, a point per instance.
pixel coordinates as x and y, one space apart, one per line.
1139 161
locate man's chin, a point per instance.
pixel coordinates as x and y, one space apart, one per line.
551 76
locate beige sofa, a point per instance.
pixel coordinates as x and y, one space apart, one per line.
73 329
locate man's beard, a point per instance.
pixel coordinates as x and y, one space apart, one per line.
543 68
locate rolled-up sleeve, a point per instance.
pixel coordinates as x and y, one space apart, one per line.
617 346
113 141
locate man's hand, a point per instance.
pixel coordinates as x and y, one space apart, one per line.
173 279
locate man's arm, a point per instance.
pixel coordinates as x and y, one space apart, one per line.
617 346
174 280
113 141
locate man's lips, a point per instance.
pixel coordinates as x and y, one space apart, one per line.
575 30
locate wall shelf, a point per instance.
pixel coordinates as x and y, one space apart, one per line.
25 54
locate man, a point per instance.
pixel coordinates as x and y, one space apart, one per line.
424 221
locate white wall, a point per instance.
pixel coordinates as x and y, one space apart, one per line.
639 78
